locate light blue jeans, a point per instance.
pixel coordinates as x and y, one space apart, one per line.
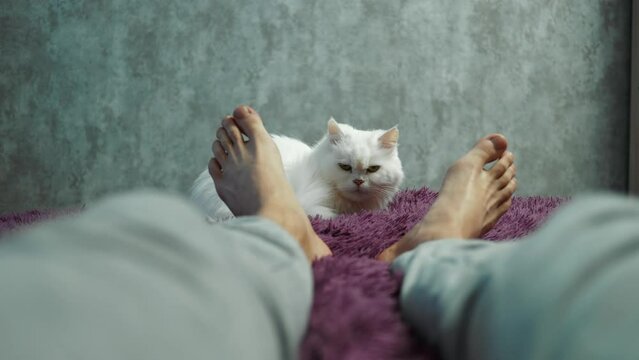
570 291
143 276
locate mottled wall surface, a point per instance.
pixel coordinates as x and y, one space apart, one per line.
99 96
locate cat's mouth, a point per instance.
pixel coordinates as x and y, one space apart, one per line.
356 193
359 189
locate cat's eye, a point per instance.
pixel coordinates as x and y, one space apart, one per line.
345 167
372 169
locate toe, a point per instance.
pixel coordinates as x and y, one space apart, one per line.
224 139
249 121
509 189
503 207
215 169
233 132
496 214
489 148
218 151
502 165
503 194
505 179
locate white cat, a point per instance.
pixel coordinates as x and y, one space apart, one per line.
348 170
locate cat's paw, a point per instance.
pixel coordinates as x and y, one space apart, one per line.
322 211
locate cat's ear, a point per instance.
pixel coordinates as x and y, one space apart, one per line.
334 132
389 139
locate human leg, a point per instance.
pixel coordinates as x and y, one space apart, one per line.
567 292
144 276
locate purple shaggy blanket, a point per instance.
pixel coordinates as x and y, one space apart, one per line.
355 312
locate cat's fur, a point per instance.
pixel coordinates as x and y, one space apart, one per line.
321 177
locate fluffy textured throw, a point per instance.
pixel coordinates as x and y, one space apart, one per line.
355 312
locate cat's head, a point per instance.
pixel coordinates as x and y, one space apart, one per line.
362 165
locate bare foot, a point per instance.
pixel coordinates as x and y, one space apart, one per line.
471 199
249 177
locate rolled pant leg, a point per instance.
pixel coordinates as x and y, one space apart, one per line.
570 291
143 276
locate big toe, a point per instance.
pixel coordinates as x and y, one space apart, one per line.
248 120
489 148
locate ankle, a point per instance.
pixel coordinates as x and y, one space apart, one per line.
390 253
294 222
418 235
436 232
441 222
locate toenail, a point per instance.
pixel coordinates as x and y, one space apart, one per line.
248 109
498 140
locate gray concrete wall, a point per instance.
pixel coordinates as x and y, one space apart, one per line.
100 96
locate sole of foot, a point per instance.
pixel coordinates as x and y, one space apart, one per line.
471 200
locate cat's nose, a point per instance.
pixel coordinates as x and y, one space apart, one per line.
358 182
